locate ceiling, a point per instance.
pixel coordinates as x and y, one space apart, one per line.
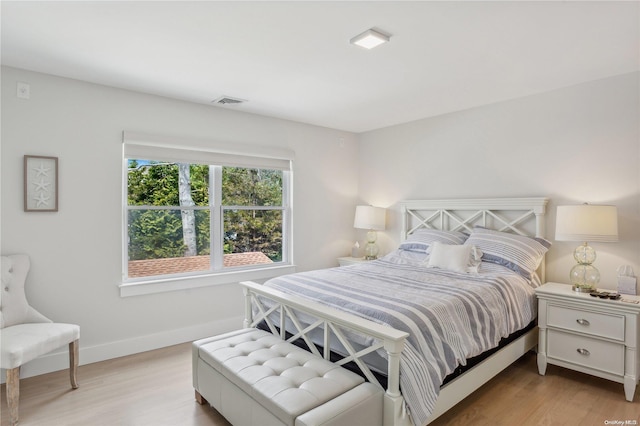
293 59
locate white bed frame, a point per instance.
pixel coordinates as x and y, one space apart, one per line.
523 216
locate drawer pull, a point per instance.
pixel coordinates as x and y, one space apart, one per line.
583 322
583 352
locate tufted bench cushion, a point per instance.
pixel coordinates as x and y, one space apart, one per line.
286 381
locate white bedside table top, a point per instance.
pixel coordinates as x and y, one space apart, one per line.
350 260
559 291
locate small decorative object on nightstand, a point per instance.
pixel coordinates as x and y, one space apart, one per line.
626 280
355 250
593 335
348 260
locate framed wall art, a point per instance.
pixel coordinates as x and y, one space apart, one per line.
40 183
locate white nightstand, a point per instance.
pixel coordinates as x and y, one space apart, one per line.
588 334
344 261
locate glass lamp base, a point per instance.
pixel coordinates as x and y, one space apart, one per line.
371 249
584 277
583 289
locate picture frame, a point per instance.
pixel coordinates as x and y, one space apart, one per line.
40 183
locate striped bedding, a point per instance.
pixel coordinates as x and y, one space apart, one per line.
450 316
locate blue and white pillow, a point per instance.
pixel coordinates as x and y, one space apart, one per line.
421 239
519 253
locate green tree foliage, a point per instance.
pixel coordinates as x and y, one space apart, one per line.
157 234
156 184
251 187
252 230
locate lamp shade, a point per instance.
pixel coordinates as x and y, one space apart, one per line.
587 222
369 217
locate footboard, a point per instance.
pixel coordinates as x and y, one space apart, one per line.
333 323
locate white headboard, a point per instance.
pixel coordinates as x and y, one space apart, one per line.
524 216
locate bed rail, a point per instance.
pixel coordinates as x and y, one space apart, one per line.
335 322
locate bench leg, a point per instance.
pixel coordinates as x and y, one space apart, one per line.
13 394
73 363
201 399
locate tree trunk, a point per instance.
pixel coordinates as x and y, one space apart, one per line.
188 216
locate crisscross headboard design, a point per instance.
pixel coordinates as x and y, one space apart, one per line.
524 216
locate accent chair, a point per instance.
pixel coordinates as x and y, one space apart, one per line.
25 334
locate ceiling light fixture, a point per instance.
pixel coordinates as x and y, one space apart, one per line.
370 39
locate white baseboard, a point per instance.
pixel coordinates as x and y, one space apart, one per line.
59 360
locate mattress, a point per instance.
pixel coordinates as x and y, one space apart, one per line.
450 316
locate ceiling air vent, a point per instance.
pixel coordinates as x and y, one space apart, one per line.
228 100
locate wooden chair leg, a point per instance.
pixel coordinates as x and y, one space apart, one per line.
13 394
73 363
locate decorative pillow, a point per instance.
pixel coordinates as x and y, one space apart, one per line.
457 258
421 239
519 253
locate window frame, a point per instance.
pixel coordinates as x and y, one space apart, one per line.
217 274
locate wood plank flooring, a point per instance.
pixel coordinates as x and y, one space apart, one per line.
154 389
151 388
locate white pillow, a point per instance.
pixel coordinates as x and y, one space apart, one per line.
457 258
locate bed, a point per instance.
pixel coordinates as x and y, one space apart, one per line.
418 317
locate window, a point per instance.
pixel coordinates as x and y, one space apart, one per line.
190 212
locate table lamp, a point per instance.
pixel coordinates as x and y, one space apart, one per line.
372 219
586 223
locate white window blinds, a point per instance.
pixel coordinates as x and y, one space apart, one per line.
149 147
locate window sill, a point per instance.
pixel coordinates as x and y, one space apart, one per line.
139 288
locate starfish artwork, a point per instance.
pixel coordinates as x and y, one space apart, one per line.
42 185
41 200
42 170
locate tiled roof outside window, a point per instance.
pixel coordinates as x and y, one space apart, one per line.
176 265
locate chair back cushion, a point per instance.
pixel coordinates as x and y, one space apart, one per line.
14 308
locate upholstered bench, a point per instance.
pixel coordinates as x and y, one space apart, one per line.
254 378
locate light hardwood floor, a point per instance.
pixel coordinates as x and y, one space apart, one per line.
154 389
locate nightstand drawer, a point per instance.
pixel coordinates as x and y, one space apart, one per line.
593 323
585 351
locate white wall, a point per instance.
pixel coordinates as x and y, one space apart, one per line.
579 144
76 252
